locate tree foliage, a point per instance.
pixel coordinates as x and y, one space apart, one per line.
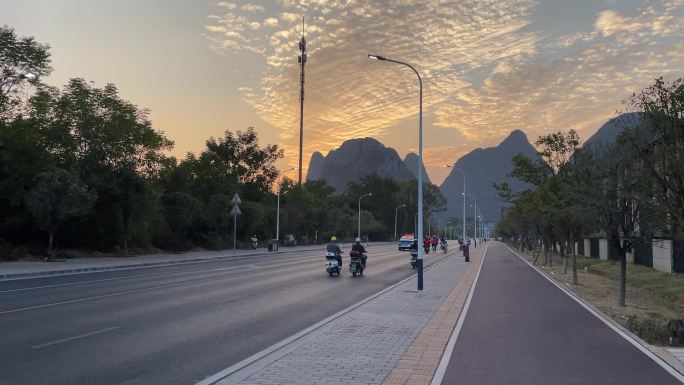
627 191
57 196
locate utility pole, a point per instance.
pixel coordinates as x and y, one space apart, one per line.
302 62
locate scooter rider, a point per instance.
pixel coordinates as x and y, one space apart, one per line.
426 243
434 241
333 247
414 246
359 247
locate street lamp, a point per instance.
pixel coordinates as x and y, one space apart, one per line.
361 197
28 76
396 211
277 237
474 215
420 161
464 198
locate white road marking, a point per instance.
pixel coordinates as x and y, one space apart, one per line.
166 273
106 295
131 291
120 278
84 335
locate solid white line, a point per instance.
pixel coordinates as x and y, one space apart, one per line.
185 272
213 379
170 263
448 351
169 273
107 295
603 318
265 267
74 337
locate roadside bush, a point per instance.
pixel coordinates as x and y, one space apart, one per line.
653 330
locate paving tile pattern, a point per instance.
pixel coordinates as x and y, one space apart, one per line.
418 365
364 345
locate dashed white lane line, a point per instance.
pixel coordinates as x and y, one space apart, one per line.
84 335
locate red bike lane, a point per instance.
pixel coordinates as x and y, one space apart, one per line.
522 329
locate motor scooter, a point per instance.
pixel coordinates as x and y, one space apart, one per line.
414 259
356 263
331 264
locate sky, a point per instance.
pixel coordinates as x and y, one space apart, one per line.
488 66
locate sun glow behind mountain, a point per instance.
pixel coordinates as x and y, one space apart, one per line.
488 67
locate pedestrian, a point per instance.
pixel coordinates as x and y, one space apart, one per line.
466 251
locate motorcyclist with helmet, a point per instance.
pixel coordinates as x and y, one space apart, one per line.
359 248
426 244
434 241
333 247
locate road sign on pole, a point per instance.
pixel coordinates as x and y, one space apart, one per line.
235 211
236 200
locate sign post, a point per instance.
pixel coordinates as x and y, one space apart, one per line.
235 211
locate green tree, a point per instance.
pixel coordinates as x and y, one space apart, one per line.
57 197
241 156
181 211
622 200
19 56
134 196
656 135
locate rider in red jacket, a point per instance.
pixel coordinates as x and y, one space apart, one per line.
426 243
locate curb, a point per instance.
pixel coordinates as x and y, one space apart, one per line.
614 325
252 360
50 273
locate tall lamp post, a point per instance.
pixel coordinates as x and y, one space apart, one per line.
302 61
464 197
420 161
277 237
361 197
396 212
474 214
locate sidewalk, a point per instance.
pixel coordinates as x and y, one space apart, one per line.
381 341
26 269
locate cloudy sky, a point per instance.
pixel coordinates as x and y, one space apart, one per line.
489 66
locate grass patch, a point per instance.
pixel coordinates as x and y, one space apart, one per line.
655 300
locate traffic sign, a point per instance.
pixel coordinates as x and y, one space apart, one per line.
235 211
236 200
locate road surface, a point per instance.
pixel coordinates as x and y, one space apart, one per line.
176 324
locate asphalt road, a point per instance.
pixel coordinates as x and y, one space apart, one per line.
521 329
176 324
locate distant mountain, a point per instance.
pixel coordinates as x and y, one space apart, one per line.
357 158
315 165
609 132
411 161
483 168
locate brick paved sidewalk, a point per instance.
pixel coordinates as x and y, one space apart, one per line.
366 344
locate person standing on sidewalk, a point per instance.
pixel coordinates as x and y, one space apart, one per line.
466 251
